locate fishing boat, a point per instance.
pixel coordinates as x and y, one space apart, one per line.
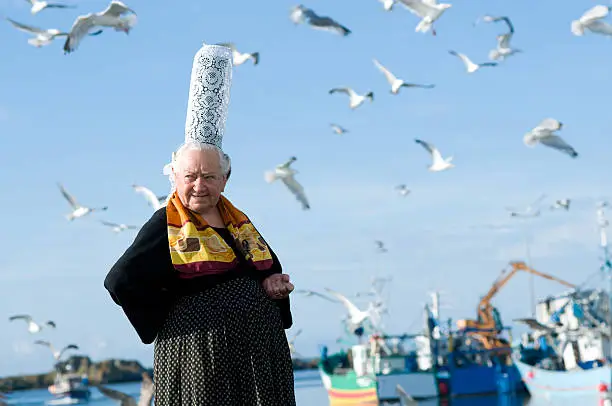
380 371
69 389
568 351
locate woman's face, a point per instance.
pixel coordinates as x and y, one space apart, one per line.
199 180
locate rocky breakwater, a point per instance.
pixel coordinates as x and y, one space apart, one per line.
107 371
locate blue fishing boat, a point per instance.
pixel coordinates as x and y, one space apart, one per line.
568 351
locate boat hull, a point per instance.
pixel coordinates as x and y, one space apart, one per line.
485 380
347 388
566 383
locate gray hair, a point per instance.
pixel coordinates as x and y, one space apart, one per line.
224 160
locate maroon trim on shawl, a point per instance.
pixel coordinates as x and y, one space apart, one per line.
194 269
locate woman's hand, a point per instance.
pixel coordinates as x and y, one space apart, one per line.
277 286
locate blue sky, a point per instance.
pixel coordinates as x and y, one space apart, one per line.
111 113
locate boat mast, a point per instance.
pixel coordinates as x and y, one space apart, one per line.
606 267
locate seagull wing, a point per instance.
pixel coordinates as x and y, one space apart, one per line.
45 343
25 317
435 154
229 45
68 197
116 395
390 76
352 309
595 13
503 41
549 124
26 28
109 224
418 7
297 190
601 27
57 5
81 27
116 9
68 347
149 195
463 57
345 90
556 142
313 293
508 23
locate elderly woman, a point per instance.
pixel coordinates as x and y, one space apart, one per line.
201 282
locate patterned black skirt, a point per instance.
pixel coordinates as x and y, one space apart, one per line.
224 347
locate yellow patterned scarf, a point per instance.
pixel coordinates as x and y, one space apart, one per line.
197 249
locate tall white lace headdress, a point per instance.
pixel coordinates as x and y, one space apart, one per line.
209 97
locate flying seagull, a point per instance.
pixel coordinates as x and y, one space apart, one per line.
154 201
380 246
428 10
38 6
438 163
33 327
356 316
287 176
470 66
300 14
291 343
240 58
403 190
311 293
544 134
41 37
147 388
503 49
77 209
119 227
57 355
113 16
338 129
355 100
388 4
592 21
397 84
533 210
561 204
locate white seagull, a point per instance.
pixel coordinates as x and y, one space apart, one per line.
355 100
41 37
470 66
388 4
154 201
338 129
33 327
119 227
397 84
311 293
438 163
503 49
147 389
114 16
77 209
592 21
287 175
291 342
544 134
300 14
403 190
238 57
38 6
57 355
355 316
561 204
428 10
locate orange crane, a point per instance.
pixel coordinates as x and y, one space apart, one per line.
487 328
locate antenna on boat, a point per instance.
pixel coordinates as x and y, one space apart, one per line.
603 224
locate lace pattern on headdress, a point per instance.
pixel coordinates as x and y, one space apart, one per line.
209 95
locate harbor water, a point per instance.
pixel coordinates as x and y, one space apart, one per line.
309 391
